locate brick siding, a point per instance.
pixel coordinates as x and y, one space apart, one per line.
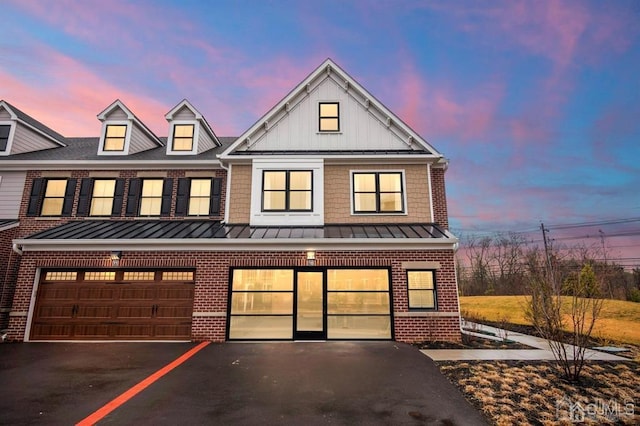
212 284
439 194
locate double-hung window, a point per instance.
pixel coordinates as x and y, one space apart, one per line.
102 197
182 137
200 197
4 136
287 190
329 117
53 200
422 289
151 197
114 137
378 192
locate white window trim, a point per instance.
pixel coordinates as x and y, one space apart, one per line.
12 132
196 137
404 191
340 115
127 137
312 218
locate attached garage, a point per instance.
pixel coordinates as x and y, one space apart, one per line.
113 305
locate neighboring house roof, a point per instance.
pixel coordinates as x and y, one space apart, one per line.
85 149
131 116
8 224
104 234
34 124
360 95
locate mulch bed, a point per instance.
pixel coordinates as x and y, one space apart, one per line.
473 342
533 392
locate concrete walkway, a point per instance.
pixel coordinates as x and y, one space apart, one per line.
542 350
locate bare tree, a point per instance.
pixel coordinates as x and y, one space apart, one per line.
553 316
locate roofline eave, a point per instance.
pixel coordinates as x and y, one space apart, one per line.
71 164
240 244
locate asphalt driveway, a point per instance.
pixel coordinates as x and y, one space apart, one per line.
232 383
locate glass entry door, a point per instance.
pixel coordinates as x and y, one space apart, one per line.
310 305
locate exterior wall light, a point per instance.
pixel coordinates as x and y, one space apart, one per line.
311 257
115 257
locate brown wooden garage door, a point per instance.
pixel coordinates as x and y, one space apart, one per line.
113 305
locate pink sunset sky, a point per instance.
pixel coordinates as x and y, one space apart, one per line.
535 103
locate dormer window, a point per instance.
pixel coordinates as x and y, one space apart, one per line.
4 136
329 117
115 136
182 137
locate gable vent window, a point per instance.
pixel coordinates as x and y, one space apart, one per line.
329 117
114 137
183 137
4 136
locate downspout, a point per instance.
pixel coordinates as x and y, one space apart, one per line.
17 249
228 192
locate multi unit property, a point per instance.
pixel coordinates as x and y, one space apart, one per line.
326 220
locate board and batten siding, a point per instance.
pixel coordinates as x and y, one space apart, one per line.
26 140
11 189
298 130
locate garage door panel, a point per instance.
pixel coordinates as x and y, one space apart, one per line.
92 331
96 293
94 311
59 292
173 330
174 312
138 293
135 312
52 331
133 331
183 293
54 311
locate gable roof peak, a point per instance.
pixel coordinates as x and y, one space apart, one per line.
34 124
118 104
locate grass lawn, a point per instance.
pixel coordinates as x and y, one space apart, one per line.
619 320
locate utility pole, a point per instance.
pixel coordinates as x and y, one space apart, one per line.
547 254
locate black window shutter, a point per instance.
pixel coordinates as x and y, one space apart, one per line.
37 192
118 196
167 190
182 200
133 197
216 191
84 199
69 195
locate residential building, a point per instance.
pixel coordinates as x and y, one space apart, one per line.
327 219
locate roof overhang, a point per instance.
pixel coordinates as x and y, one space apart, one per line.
238 244
21 165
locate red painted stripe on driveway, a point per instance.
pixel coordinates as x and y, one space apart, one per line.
130 393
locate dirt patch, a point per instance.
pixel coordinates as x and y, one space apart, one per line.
518 392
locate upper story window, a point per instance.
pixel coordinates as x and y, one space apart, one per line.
329 117
5 129
151 197
102 197
51 197
287 190
182 137
378 192
114 138
422 289
198 196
